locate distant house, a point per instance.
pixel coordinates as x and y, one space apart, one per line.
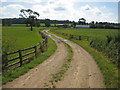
82 26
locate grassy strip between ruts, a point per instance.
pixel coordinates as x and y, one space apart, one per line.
60 74
11 75
109 70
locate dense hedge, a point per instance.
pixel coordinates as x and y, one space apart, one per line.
108 46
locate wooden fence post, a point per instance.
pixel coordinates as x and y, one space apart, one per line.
35 51
6 63
72 36
87 38
79 37
43 43
46 41
20 55
41 48
40 45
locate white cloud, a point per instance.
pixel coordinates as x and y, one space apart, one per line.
11 10
60 10
65 10
86 7
96 14
96 11
55 9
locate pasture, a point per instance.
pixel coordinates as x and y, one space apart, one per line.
15 38
101 33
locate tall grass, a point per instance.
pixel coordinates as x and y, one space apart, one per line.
109 46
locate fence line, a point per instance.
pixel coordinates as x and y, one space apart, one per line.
77 37
22 61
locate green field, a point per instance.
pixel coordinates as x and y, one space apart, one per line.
101 33
16 38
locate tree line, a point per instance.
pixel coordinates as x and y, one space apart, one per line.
41 21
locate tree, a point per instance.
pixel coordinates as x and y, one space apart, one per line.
31 16
9 22
47 22
92 24
3 22
82 21
74 24
38 23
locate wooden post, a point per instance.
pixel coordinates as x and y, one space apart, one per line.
41 47
79 37
35 51
46 41
20 55
6 63
87 38
43 43
72 36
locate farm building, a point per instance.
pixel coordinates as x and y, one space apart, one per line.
82 26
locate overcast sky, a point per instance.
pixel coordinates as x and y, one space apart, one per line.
91 10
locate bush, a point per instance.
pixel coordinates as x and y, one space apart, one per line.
108 46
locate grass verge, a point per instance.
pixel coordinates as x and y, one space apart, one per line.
11 75
109 70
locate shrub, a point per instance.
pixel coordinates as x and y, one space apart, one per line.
108 46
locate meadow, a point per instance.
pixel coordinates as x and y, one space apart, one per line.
16 38
101 33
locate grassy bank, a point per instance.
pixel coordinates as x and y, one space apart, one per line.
11 75
108 69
